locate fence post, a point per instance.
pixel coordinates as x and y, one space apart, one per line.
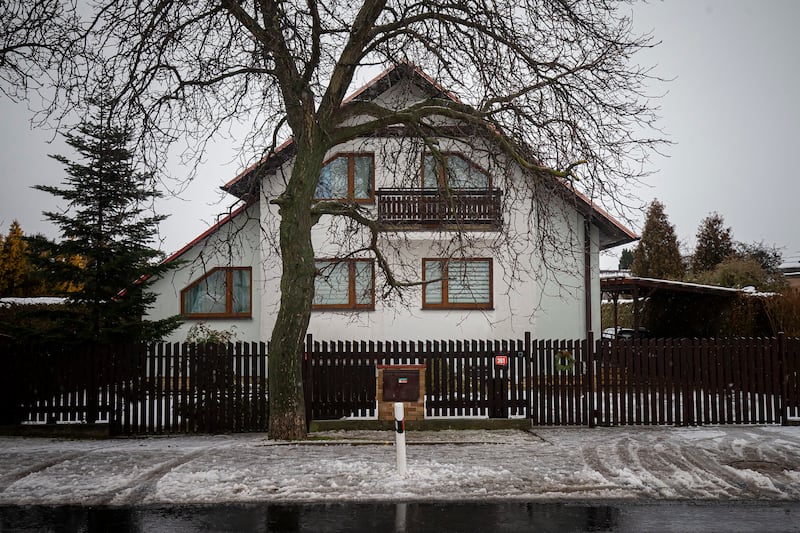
308 393
784 378
91 383
589 389
528 376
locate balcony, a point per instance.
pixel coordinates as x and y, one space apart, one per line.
430 208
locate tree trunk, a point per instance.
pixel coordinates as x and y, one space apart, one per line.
287 418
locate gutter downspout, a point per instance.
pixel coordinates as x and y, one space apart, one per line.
587 271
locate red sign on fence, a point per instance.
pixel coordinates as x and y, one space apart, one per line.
500 360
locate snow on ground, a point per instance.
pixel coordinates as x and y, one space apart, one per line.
711 463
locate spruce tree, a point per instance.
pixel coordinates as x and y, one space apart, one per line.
625 259
657 255
110 224
714 244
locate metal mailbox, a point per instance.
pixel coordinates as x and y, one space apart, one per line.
400 385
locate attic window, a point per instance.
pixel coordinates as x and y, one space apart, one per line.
347 177
221 293
456 172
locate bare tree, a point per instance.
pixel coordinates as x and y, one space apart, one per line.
37 46
551 83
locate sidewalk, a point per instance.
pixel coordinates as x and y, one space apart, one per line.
546 464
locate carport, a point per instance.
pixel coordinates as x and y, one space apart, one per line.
640 289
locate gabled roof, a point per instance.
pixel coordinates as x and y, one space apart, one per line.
245 185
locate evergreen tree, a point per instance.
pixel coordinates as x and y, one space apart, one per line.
40 280
14 264
714 244
657 255
108 225
625 259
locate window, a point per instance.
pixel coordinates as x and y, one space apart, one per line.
222 293
347 177
455 173
344 284
462 284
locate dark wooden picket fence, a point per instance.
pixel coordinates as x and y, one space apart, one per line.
186 388
567 382
697 381
163 388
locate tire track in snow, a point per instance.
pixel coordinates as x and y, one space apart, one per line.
9 479
655 467
661 463
591 458
137 488
758 459
708 475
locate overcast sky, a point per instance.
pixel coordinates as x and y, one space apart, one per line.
732 111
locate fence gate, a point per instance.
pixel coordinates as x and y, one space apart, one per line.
697 381
561 377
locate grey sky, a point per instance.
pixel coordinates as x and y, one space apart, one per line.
731 111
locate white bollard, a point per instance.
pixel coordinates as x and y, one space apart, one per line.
400 437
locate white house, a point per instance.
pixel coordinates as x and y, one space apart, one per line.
499 251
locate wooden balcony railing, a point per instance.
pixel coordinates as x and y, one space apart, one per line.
433 208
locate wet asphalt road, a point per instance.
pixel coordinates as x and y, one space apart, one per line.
411 517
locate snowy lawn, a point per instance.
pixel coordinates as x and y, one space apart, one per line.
725 463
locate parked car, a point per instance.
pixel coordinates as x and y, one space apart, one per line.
624 333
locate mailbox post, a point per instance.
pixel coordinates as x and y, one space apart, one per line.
400 437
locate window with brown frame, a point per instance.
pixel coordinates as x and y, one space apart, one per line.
347 177
344 284
452 171
457 283
224 292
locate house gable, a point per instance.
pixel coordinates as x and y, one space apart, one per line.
403 83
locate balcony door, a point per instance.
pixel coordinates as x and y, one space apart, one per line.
452 172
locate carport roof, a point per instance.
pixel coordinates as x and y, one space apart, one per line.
643 286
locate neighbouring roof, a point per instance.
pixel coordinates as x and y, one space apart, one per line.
245 185
36 300
790 271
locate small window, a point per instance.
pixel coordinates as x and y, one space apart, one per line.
455 173
222 293
458 284
347 177
344 284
